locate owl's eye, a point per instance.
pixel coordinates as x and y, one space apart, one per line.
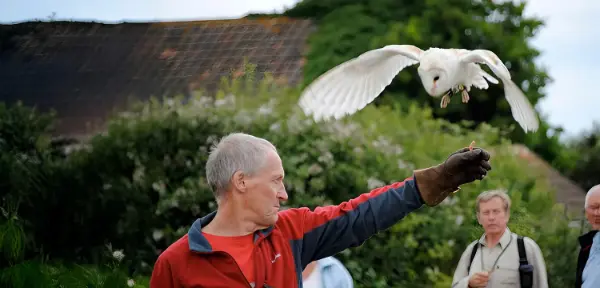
436 78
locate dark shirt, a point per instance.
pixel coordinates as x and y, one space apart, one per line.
585 241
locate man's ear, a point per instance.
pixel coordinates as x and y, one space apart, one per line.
239 181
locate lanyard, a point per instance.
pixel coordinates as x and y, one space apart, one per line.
498 258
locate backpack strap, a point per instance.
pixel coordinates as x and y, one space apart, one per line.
522 253
472 256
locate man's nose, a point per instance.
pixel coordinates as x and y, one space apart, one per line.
282 195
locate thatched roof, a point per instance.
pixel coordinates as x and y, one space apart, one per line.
85 70
567 192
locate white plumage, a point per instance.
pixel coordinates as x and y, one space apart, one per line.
352 85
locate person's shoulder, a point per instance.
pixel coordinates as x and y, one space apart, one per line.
530 244
176 250
470 246
290 222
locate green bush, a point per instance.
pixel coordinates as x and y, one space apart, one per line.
141 184
36 274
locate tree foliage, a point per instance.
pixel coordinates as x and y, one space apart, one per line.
140 185
586 150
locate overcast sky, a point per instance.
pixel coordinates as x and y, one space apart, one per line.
567 42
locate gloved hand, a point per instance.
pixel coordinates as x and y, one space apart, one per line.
461 167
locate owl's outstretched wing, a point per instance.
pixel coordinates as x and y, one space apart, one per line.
522 110
352 85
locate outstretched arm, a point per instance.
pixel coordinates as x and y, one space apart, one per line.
331 229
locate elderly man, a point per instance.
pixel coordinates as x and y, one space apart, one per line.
588 262
248 242
495 259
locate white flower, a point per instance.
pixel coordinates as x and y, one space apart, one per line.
451 242
157 234
275 127
138 174
402 164
212 139
314 169
449 201
243 117
130 283
229 99
202 101
373 183
118 254
459 219
326 158
267 108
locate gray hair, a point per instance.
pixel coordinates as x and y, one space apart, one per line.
488 195
235 152
595 189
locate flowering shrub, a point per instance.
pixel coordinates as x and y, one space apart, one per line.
141 184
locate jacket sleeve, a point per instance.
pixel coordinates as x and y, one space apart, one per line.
461 275
162 276
536 258
331 229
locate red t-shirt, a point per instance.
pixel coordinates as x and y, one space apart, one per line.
239 247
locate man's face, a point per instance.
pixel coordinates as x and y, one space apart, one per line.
265 190
492 216
592 211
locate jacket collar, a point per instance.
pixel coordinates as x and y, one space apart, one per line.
504 240
587 238
199 243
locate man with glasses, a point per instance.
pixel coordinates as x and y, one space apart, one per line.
588 262
499 258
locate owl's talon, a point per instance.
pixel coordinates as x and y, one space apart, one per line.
445 100
465 96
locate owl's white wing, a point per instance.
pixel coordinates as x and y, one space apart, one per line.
522 110
352 85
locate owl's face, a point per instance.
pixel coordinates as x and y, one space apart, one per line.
435 80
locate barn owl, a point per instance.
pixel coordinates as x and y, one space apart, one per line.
352 85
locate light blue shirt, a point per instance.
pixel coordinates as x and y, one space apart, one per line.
334 274
591 277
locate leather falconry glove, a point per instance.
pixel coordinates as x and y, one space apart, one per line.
463 166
